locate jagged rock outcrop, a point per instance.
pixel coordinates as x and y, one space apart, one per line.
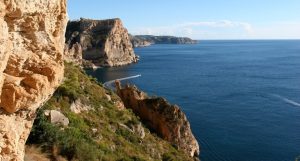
147 40
31 66
103 42
165 119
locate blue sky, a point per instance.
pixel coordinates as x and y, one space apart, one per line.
198 19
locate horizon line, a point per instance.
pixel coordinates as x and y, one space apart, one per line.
245 39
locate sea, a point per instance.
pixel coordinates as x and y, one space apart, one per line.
242 97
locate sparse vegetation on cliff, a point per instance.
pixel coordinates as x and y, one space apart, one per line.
102 133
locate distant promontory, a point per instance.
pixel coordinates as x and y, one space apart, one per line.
147 40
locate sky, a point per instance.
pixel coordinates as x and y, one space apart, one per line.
198 19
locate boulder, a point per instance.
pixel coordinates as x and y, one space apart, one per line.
57 117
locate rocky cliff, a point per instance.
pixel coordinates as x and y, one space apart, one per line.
166 119
147 40
140 41
31 66
103 42
83 121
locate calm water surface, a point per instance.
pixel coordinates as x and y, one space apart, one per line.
242 97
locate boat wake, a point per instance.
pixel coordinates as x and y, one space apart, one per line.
291 102
110 83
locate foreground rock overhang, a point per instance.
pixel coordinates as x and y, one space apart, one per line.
31 66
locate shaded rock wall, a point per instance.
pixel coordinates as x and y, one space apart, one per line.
104 42
31 66
165 119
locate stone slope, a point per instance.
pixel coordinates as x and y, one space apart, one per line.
165 119
31 66
104 42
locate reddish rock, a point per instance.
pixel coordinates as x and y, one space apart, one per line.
165 119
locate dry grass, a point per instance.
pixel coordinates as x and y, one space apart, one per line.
33 153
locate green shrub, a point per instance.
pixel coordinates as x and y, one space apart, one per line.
131 159
79 142
171 156
128 135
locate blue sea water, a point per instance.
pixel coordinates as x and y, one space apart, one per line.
242 97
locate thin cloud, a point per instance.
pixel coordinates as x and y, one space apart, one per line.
278 30
220 24
188 29
226 29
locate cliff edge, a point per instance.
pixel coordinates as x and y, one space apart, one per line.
165 119
103 42
31 66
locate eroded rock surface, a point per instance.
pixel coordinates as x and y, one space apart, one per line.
31 66
165 119
103 42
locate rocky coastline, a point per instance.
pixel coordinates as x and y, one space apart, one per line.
147 40
35 41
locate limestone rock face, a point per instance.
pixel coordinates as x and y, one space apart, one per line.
103 42
165 119
31 66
